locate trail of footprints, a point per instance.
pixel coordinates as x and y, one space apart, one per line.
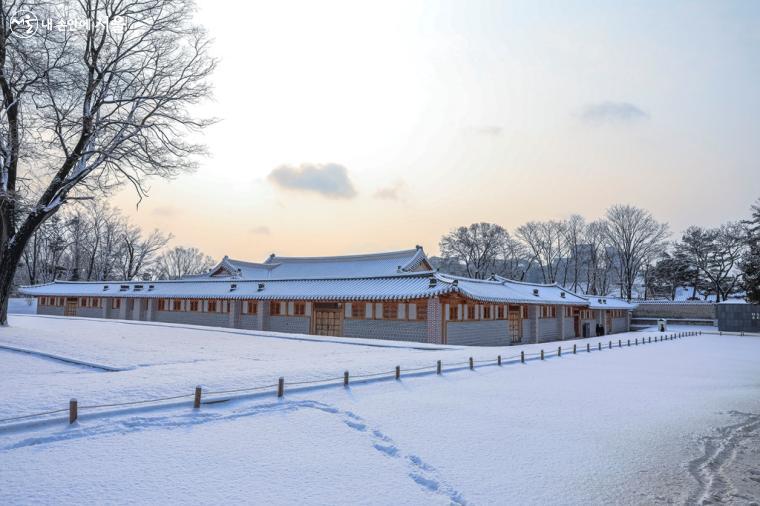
419 471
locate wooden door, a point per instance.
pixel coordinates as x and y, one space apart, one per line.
608 322
515 325
70 309
326 320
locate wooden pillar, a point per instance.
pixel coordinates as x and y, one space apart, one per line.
533 315
150 310
236 308
435 321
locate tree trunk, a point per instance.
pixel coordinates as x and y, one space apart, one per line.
10 260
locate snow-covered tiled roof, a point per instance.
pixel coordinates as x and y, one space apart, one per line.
606 302
498 289
408 286
334 267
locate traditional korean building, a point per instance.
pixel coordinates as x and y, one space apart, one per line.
395 295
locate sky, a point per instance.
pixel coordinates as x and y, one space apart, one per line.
349 127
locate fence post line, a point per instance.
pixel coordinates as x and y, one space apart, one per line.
345 378
472 365
197 399
542 354
438 367
498 359
522 357
280 387
73 412
398 371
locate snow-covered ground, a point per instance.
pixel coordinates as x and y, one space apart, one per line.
676 421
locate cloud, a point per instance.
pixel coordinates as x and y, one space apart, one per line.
260 230
490 130
393 192
612 112
329 180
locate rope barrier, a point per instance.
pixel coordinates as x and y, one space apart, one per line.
33 415
549 353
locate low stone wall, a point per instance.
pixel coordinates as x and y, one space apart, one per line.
619 325
683 310
739 317
478 333
51 310
295 324
394 330
548 329
193 318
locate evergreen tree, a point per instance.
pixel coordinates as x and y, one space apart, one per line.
750 265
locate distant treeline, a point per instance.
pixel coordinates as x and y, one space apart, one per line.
627 253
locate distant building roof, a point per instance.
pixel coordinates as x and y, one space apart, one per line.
332 267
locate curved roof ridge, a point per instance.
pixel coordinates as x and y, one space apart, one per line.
555 284
339 258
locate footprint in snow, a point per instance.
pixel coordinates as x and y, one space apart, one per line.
357 426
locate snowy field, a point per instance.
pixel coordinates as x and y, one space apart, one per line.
668 422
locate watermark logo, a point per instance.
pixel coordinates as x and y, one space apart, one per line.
24 24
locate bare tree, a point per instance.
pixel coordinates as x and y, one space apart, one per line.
574 230
635 237
88 110
138 251
546 241
478 246
514 260
181 261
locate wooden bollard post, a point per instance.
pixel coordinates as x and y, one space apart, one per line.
574 349
610 345
280 387
472 364
629 342
522 357
600 345
73 414
197 399
650 340
345 378
398 372
498 359
559 351
438 367
588 347
620 343
542 354
637 341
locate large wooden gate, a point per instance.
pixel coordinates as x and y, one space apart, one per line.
70 309
326 319
515 324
